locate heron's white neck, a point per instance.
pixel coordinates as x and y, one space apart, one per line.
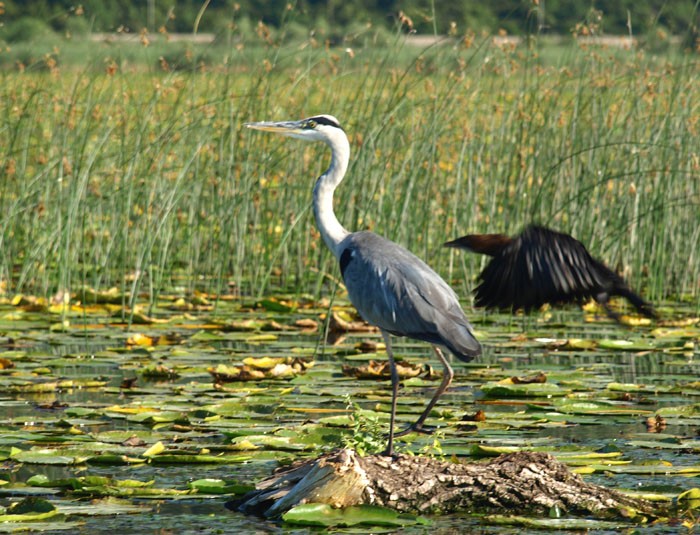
331 229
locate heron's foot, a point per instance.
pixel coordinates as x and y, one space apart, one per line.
417 428
388 453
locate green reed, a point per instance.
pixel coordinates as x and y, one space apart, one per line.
143 177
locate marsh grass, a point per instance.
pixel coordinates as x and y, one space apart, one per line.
136 174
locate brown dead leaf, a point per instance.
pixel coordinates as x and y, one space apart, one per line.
381 370
159 371
273 325
478 416
133 441
369 346
128 382
338 324
656 424
54 405
539 377
306 324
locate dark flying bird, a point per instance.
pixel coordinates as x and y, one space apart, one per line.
391 288
539 266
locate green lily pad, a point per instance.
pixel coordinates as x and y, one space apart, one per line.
108 506
571 524
574 406
314 514
30 509
626 345
46 457
219 486
532 390
167 458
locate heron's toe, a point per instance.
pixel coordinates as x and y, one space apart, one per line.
416 428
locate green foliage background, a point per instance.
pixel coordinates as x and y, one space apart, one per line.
427 16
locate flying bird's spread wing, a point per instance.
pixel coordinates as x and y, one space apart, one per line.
540 266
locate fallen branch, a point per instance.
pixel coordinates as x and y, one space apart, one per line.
529 483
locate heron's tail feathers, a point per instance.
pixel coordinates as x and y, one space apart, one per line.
460 340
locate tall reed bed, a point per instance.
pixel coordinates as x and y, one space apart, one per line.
144 179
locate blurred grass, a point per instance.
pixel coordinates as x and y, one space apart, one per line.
127 165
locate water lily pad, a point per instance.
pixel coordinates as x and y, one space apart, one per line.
108 506
312 514
30 509
596 407
257 369
219 486
46 457
571 524
505 390
690 498
168 458
251 442
626 345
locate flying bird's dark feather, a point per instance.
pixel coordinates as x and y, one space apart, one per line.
539 266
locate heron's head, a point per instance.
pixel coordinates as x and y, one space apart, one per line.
317 128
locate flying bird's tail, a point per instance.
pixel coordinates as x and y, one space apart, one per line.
642 306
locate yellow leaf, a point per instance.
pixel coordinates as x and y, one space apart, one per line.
507 381
139 339
282 370
262 363
58 327
583 470
316 410
154 450
634 320
130 410
62 308
690 494
245 445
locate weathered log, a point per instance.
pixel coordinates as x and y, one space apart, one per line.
529 483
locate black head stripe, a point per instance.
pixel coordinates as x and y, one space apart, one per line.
324 119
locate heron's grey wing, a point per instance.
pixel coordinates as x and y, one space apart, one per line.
396 291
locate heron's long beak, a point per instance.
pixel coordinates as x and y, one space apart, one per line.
287 128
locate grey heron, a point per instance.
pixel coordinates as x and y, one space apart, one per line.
390 287
541 265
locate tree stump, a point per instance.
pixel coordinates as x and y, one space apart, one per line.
529 483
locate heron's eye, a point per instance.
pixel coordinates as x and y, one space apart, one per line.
311 124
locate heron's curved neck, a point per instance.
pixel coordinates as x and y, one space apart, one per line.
331 229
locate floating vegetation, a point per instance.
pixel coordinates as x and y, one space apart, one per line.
314 514
380 370
196 408
256 369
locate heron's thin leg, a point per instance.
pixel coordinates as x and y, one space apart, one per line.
447 376
394 391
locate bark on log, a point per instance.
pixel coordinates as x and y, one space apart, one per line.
528 483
